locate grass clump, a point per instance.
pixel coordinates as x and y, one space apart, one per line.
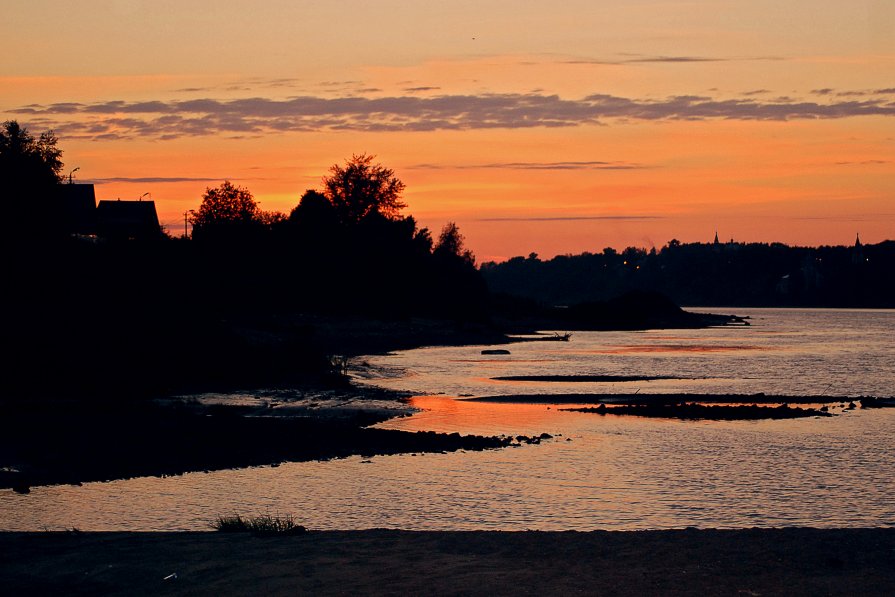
259 525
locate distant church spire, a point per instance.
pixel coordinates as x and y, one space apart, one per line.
857 253
716 237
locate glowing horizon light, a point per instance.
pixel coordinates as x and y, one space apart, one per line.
538 128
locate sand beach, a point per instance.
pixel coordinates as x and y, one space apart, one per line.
748 562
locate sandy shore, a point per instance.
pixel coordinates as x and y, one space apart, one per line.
685 562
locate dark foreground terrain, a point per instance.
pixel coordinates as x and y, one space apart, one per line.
681 562
73 442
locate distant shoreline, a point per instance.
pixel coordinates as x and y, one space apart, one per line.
669 398
47 441
788 561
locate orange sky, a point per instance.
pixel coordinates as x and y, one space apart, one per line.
535 126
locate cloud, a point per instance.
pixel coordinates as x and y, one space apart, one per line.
675 59
586 165
854 92
570 218
154 179
864 163
641 59
309 113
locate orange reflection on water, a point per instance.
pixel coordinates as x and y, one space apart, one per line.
449 414
498 360
688 348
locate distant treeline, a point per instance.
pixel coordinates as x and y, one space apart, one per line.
709 274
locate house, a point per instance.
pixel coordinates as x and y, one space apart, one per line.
127 220
71 209
75 207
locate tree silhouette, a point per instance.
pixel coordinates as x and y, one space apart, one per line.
29 173
314 210
451 244
26 161
361 188
225 210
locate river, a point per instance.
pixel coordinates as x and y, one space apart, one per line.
598 472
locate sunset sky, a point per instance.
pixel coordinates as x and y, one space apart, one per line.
553 127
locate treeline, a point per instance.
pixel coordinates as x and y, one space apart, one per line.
709 274
92 316
346 249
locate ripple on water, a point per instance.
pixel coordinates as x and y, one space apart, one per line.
615 473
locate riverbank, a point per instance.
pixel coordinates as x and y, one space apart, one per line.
76 442
793 561
53 433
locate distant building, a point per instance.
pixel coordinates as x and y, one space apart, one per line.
127 220
75 207
857 252
74 211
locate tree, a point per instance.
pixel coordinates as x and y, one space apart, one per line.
450 244
26 162
313 210
224 210
361 188
29 173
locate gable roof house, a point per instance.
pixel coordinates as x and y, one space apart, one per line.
75 207
127 220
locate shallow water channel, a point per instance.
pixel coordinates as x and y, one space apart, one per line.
598 472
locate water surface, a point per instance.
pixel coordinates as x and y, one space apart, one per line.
615 472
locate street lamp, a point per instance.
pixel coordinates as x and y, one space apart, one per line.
186 215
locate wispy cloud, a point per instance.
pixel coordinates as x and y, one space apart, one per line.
254 116
633 218
864 163
247 84
154 179
853 92
675 59
643 59
578 165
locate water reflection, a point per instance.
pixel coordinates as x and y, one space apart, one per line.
615 473
847 353
669 348
597 473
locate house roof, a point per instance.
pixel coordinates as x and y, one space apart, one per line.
127 219
77 207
